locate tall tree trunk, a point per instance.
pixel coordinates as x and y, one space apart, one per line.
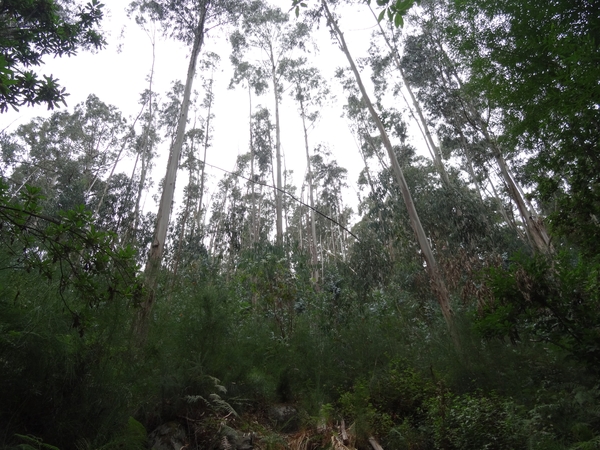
126 140
217 227
372 187
254 223
198 213
278 193
313 226
186 214
145 149
438 284
166 200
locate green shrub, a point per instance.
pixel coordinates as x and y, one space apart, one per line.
477 422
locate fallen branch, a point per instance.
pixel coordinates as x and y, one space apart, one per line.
375 444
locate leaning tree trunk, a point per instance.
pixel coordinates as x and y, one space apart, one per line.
438 284
534 227
166 200
434 149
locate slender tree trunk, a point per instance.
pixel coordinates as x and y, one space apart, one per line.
341 232
145 149
372 186
313 226
198 214
186 214
278 193
164 209
117 159
332 249
275 192
470 167
301 222
285 207
438 284
253 233
213 240
505 213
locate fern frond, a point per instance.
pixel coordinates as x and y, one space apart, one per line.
35 443
222 405
593 444
195 399
217 385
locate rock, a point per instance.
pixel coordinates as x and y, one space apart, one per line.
235 440
169 436
285 416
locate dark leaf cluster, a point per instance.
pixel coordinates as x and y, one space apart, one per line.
32 29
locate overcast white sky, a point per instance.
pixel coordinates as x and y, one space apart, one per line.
117 76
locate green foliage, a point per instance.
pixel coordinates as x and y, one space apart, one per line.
474 421
66 290
31 29
358 408
243 326
555 300
538 65
395 10
33 443
86 263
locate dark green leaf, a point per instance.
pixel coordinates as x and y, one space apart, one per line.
398 20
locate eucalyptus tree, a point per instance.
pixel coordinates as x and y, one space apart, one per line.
192 193
254 78
188 230
371 150
188 22
144 146
432 266
228 219
386 63
262 174
449 98
210 63
310 90
380 63
330 179
268 31
68 154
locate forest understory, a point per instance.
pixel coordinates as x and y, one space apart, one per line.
455 306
